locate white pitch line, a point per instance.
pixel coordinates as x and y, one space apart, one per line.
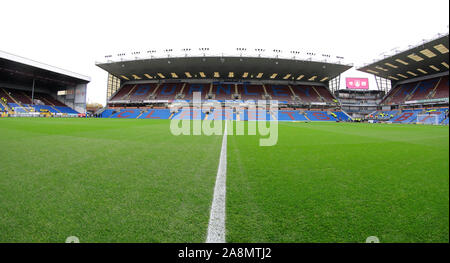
216 226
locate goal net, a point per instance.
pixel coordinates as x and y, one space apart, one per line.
427 119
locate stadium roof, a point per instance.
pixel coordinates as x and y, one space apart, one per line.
25 70
224 68
427 58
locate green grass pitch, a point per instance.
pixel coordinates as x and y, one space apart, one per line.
114 180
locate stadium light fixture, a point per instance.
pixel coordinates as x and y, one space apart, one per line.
174 75
161 75
231 74
287 76
411 73
415 57
124 77
274 75
148 76
428 53
136 76
390 65
381 68
401 61
403 76
372 71
259 75
445 64
434 67
312 78
441 48
300 77
216 74
188 74
391 77
323 79
422 71
245 75
202 74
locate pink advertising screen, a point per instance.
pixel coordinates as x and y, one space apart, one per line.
357 83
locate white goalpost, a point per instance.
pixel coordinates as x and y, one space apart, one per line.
427 119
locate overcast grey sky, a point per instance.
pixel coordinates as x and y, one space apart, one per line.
74 34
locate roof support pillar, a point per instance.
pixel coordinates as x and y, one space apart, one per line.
32 92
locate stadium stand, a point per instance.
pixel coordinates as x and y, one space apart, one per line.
20 101
426 89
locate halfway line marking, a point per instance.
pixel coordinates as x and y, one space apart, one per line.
216 226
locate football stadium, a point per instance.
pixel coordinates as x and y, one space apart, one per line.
247 145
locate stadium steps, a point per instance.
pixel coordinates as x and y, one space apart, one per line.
390 96
56 109
210 94
15 101
142 112
433 91
5 106
49 103
411 94
236 92
305 114
293 96
127 96
180 94
318 94
266 95
28 97
153 94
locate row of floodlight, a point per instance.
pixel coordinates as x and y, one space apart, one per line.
258 50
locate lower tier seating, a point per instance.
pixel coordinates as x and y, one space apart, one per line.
246 115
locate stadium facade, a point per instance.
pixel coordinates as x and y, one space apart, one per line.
31 88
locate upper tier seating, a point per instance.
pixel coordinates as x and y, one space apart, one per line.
426 89
142 92
223 91
250 92
442 89
168 91
281 93
423 89
190 88
306 93
125 90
